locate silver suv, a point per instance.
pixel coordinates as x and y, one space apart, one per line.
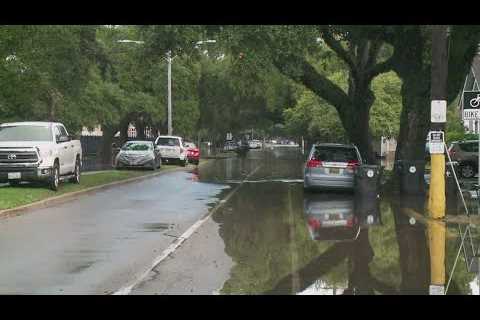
332 166
466 154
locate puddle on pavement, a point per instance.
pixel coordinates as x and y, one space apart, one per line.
285 241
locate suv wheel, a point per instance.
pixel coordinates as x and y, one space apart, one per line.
467 171
55 178
76 177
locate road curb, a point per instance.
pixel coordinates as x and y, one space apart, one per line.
6 213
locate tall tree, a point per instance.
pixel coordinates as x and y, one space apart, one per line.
290 49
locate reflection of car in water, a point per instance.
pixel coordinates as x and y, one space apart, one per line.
339 217
331 217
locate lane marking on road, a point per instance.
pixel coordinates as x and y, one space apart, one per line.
177 243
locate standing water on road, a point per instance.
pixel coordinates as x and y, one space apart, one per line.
285 241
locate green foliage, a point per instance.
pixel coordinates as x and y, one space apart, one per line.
454 130
385 112
44 70
315 119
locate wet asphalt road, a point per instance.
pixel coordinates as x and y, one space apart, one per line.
264 239
96 243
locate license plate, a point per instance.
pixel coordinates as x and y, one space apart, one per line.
14 175
334 171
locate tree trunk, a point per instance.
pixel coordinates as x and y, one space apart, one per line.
356 118
356 124
124 124
415 118
106 150
140 126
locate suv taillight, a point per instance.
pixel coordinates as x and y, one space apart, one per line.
352 163
314 163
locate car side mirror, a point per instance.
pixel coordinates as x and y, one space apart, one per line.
62 139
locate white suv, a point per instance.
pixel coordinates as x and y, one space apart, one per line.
172 149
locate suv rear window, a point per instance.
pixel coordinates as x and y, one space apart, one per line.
469 147
334 154
171 142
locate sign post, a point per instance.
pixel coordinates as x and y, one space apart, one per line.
471 111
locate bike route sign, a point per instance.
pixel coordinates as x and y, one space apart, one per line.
471 105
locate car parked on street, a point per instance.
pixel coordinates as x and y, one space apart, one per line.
193 153
331 166
38 151
172 149
255 144
138 154
230 146
466 154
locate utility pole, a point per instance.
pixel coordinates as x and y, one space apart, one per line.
437 201
438 118
169 60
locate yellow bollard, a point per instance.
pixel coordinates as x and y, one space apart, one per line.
436 241
436 199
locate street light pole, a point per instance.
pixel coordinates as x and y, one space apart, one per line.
169 60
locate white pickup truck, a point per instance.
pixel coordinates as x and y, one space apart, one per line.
38 151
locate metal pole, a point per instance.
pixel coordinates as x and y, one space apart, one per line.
169 59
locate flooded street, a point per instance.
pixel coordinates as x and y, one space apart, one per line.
258 233
275 239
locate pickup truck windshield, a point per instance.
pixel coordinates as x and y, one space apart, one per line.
25 133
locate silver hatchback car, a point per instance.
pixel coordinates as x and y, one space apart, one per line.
331 166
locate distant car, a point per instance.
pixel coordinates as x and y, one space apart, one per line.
331 217
331 166
138 154
193 153
466 154
172 149
230 146
254 144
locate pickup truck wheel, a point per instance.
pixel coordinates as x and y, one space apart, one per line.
55 178
76 178
14 183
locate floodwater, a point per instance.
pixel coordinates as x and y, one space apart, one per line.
267 236
285 241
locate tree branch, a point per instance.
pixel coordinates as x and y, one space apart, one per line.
316 82
381 67
337 47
